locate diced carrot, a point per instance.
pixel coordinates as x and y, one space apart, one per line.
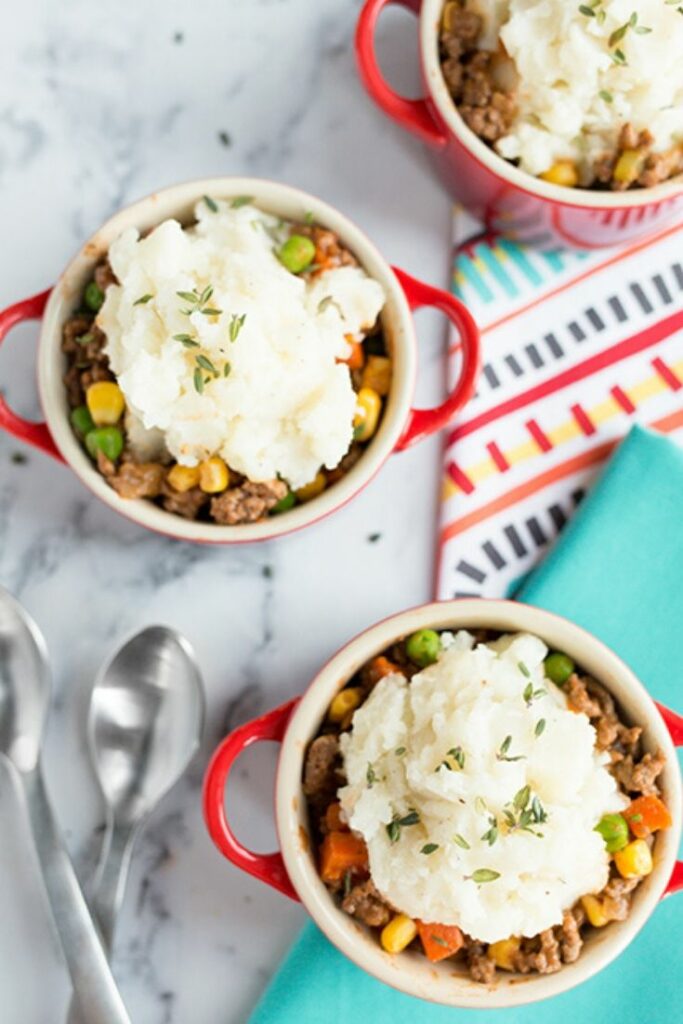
646 815
439 940
377 669
341 852
356 357
333 819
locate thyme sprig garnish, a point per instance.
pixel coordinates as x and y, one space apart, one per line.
198 302
503 755
187 340
455 754
539 727
524 811
523 669
143 300
482 875
461 841
236 325
397 823
429 848
530 694
370 776
239 201
491 835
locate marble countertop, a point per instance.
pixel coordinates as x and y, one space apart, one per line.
99 105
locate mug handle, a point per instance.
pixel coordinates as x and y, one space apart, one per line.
36 434
267 867
424 422
411 114
674 723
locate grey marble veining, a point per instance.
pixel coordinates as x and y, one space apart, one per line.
100 104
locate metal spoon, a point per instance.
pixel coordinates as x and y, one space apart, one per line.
145 724
24 703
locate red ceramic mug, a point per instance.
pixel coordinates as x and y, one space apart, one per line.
292 870
401 424
506 199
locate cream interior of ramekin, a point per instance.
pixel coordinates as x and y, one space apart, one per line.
178 201
448 982
430 18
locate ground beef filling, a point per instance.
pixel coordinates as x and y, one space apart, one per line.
635 771
478 83
244 501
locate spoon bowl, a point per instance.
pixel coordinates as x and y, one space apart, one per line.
145 721
24 685
24 705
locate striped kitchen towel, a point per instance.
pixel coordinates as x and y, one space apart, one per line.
576 348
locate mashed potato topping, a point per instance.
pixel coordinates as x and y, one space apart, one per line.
582 76
477 791
250 373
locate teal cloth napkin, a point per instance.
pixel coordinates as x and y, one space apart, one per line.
617 570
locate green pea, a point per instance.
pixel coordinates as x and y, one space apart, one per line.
93 296
81 420
108 440
423 647
558 667
297 253
614 830
284 504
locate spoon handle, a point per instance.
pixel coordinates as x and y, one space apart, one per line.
98 997
108 889
110 878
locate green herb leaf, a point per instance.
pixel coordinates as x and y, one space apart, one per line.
393 831
370 776
85 339
207 365
491 834
521 798
461 841
211 203
198 381
187 340
458 755
482 875
438 940
429 848
236 325
226 369
540 726
400 751
503 755
480 805
241 201
308 216
523 669
188 296
209 311
412 818
588 11
143 300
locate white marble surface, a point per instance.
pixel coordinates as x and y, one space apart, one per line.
99 104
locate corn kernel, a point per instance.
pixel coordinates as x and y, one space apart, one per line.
345 701
368 407
595 911
105 403
213 475
312 490
398 934
503 952
450 13
377 374
183 478
629 166
563 172
635 860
